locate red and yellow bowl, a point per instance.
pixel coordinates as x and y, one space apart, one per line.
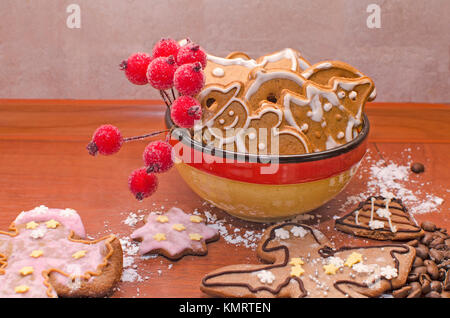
241 185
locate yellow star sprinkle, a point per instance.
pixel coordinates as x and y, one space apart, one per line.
179 227
37 253
196 219
162 219
296 261
352 259
52 224
21 289
159 237
296 271
27 270
195 236
330 269
79 254
32 225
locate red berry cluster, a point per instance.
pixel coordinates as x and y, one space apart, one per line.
169 67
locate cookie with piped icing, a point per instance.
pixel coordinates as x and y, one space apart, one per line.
237 65
380 218
267 134
327 115
174 234
46 253
321 73
300 261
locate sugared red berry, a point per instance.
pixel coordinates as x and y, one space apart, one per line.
160 72
185 111
136 68
106 140
189 79
191 53
158 156
165 47
142 184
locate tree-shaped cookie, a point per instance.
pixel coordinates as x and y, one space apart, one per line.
380 218
44 255
327 115
174 234
302 264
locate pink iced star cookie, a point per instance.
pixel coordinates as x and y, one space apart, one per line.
175 234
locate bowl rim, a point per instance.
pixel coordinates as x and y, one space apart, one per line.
183 135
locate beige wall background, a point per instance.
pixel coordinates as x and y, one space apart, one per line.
40 57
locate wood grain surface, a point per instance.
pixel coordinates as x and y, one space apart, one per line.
43 160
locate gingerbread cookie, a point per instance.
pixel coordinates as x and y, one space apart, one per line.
321 73
45 254
380 218
302 264
174 234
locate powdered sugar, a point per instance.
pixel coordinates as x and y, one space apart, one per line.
392 179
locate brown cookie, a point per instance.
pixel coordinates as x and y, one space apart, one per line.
45 254
174 234
381 219
302 264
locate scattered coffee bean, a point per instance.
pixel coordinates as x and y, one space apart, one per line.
427 238
422 251
417 167
446 285
437 241
419 270
436 286
432 294
428 226
436 255
415 293
413 243
402 292
432 269
425 283
417 262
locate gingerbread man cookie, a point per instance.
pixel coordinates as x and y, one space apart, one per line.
380 218
302 264
174 234
45 254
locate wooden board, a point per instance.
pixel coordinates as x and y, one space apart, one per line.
43 160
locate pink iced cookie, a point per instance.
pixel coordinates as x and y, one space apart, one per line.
68 217
42 256
174 234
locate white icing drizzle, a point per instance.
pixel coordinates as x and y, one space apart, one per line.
251 63
233 124
356 217
352 95
323 66
218 72
331 143
327 107
262 76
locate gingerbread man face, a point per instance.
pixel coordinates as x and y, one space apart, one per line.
302 264
42 257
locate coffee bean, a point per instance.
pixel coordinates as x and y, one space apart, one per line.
441 274
402 292
417 167
419 270
417 262
436 286
437 241
425 283
412 278
432 269
422 251
415 293
447 242
446 285
428 226
436 255
413 243
427 238
432 294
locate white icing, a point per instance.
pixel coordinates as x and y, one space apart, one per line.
233 124
282 234
261 146
340 135
335 260
221 121
331 143
304 127
298 231
38 233
341 94
231 113
388 272
265 277
324 66
375 224
327 107
218 72
352 95
251 136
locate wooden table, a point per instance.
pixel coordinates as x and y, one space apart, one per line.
43 160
